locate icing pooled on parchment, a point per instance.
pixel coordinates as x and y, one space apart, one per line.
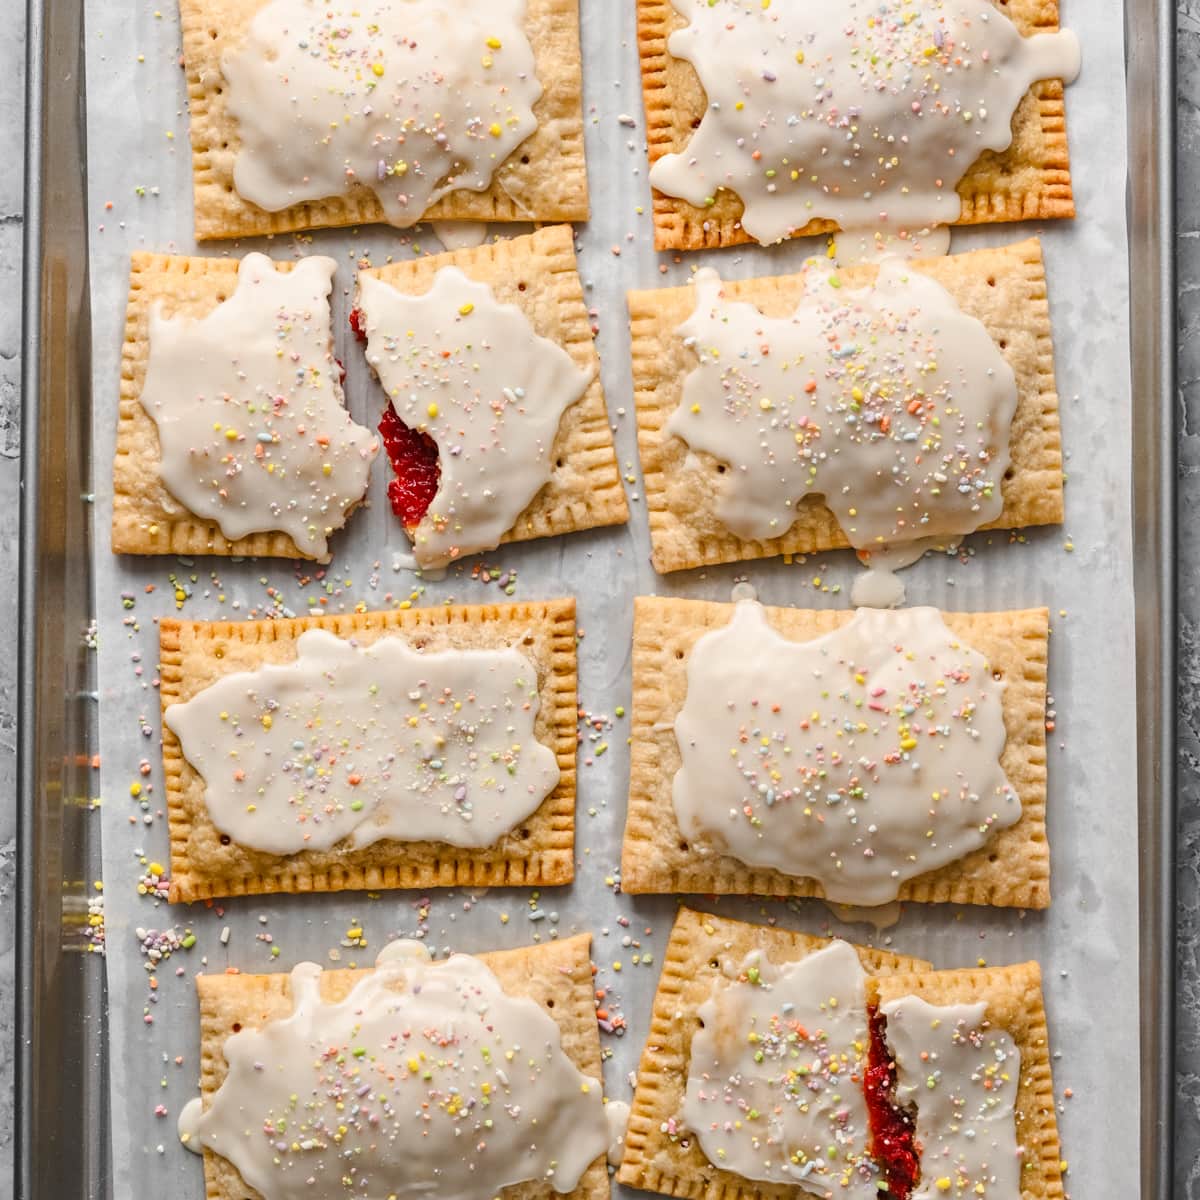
474 375
887 401
774 1088
252 431
363 743
866 113
961 1076
860 759
428 1079
412 99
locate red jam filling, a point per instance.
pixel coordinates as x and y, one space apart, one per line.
892 1143
414 458
358 324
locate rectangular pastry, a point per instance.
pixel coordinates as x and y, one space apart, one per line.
430 747
747 129
799 768
458 341
691 500
374 1041
703 951
446 111
223 445
776 1061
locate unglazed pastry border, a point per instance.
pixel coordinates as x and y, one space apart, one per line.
538 274
146 517
539 852
1014 1004
1004 288
1030 181
653 1161
548 166
556 971
1011 869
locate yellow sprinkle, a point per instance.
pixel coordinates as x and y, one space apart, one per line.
493 43
799 56
943 1184
495 130
432 410
135 789
266 721
231 435
377 68
156 868
465 310
327 469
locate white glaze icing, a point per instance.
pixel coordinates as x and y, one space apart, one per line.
774 1089
428 1079
412 99
880 917
474 375
252 429
617 1113
961 1076
361 743
864 113
460 235
860 759
889 402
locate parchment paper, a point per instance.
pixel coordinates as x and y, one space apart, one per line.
1087 941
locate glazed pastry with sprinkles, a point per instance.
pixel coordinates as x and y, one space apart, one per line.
862 113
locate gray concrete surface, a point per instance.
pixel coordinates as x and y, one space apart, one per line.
1187 1125
1188 1057
12 84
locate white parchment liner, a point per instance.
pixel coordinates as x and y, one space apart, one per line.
1087 942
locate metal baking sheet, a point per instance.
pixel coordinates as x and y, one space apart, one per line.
139 196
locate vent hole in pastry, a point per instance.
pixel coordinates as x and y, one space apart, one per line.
560 463
237 1027
679 654
550 1002
1010 473
684 847
218 652
700 1020
525 159
522 286
991 281
993 858
225 839
524 835
1004 343
212 33
721 468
